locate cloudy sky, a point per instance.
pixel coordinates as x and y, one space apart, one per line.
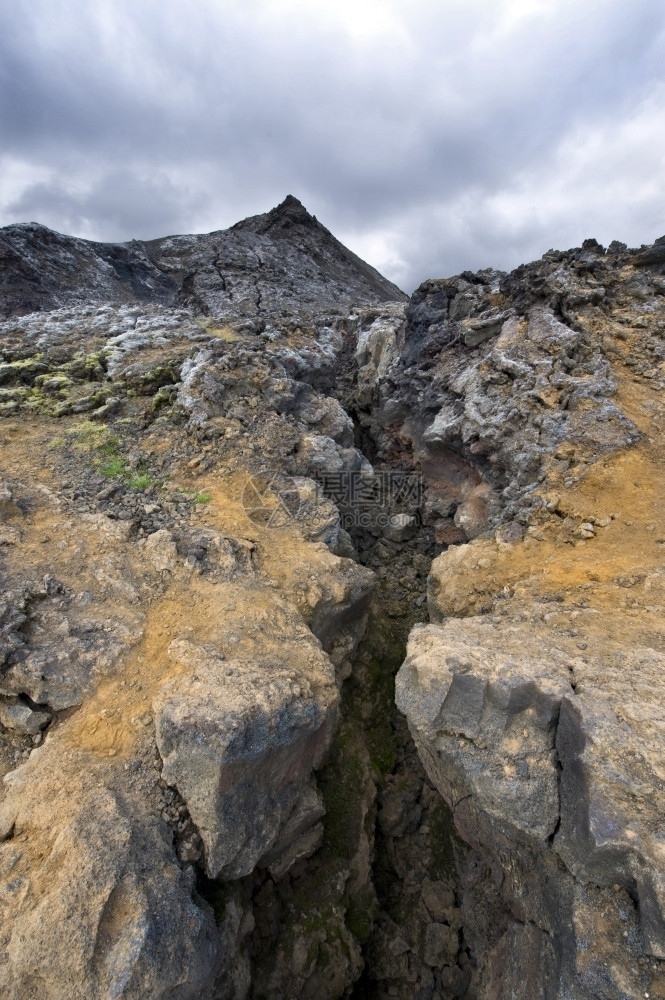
430 136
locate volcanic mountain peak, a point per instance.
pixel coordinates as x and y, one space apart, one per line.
281 264
290 212
206 587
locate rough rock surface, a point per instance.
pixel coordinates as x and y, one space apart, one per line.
536 700
499 381
174 614
272 267
208 575
239 741
94 900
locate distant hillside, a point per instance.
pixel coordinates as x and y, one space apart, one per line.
283 261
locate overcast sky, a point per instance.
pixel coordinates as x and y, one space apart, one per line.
430 136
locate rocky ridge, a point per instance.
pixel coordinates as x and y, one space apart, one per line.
278 266
535 697
204 774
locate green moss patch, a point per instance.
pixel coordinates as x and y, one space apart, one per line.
341 784
141 481
445 841
112 468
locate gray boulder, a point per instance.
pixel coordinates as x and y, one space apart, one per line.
239 741
551 765
94 902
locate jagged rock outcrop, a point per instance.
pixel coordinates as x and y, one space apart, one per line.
95 902
205 777
178 625
542 780
239 742
498 381
272 268
536 698
224 695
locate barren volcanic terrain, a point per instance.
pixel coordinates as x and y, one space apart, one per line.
332 655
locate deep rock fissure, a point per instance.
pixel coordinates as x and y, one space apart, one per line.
381 899
412 857
186 594
415 859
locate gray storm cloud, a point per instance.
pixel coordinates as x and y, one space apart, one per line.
431 137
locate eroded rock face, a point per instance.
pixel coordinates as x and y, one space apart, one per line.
498 381
243 715
535 699
94 902
532 770
283 263
176 619
181 606
243 699
239 741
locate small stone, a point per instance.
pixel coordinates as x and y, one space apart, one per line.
581 645
447 533
20 718
455 981
107 493
510 533
398 946
441 945
438 899
401 527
